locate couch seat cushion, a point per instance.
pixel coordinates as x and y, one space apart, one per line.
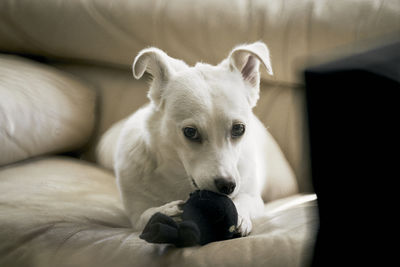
65 212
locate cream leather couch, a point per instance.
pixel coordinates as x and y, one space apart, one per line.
58 207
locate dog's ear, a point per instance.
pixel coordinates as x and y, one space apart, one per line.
246 59
160 66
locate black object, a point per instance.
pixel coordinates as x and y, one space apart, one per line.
207 217
353 109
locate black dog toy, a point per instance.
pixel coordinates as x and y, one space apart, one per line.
207 217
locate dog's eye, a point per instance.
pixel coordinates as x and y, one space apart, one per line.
238 130
191 133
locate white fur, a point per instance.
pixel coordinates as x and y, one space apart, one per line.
155 163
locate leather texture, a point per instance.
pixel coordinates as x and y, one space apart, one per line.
115 31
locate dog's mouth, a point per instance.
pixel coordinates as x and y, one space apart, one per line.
194 183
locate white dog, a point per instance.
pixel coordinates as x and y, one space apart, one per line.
197 132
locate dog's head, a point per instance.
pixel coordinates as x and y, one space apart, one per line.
206 111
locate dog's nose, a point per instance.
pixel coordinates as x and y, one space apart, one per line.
225 186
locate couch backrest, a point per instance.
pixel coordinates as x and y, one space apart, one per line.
113 32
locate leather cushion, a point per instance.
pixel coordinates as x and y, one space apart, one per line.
42 110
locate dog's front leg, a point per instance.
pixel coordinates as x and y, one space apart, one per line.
172 209
248 207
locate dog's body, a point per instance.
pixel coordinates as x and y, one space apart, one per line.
198 132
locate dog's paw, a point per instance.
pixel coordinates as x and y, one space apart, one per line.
172 209
244 225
